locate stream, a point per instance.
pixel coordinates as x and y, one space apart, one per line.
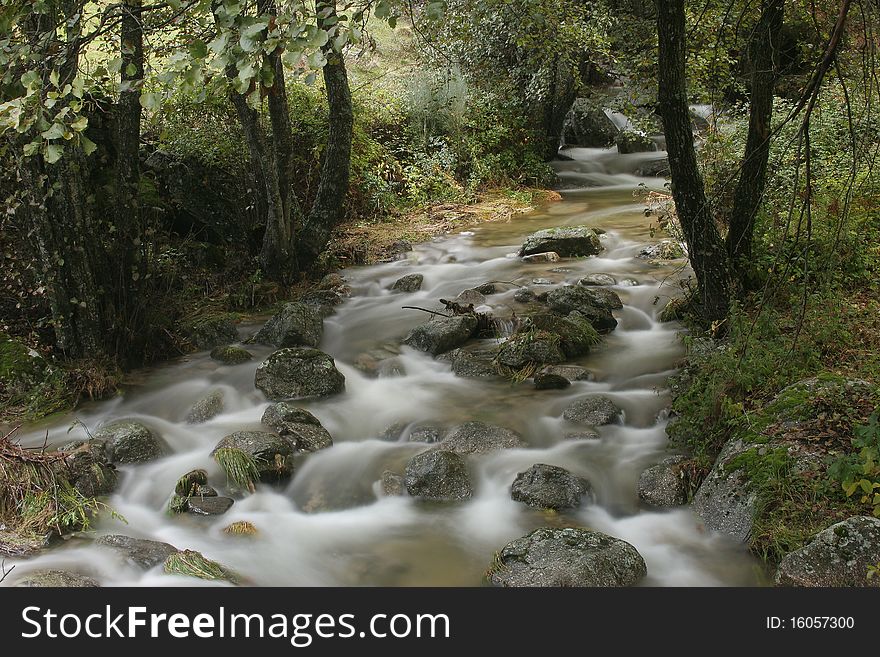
330 526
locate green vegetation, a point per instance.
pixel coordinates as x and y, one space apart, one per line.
190 563
240 467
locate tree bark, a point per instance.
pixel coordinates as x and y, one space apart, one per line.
764 61
329 203
705 248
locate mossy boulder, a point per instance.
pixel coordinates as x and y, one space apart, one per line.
662 250
566 241
725 501
88 470
56 579
550 487
666 484
530 348
572 556
231 355
576 334
442 334
297 425
270 454
130 441
295 325
190 563
592 303
408 283
207 332
298 372
438 475
207 407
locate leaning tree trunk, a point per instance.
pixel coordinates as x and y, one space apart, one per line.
706 250
764 59
329 203
128 131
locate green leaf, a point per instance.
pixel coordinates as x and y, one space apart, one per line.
150 101
850 488
198 49
130 70
30 79
53 153
317 60
80 124
867 486
53 78
382 10
87 144
55 131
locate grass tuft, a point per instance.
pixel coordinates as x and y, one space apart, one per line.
193 564
240 467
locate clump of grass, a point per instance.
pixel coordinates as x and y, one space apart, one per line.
241 528
193 564
189 483
178 504
240 467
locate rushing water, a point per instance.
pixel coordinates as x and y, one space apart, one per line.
329 526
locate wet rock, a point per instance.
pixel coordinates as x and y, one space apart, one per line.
487 288
141 552
593 411
566 241
231 355
663 250
210 332
550 487
474 363
583 435
550 256
189 483
541 281
570 372
297 425
470 297
427 433
838 556
209 506
524 295
438 475
193 564
333 281
586 301
298 372
587 124
480 438
548 381
272 455
575 333
597 279
408 283
295 325
531 347
211 405
87 469
724 502
323 301
392 484
128 441
664 485
628 282
379 361
56 579
567 557
441 334
629 141
204 491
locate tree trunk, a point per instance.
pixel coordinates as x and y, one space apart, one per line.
764 60
329 204
706 250
128 131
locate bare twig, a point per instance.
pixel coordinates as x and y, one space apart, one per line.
4 572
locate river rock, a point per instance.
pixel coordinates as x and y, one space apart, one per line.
189 483
380 361
438 475
663 250
549 256
480 438
392 484
664 485
566 241
838 556
426 433
441 334
629 141
141 552
128 441
295 325
576 334
548 381
491 287
231 355
298 372
56 579
587 434
210 332
209 506
570 372
272 454
408 283
550 487
473 363
593 411
587 124
211 405
584 300
88 470
597 279
569 557
724 502
524 295
298 425
531 347
470 297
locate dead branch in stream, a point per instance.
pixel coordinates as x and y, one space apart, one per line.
425 310
4 573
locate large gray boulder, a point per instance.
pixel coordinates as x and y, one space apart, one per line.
592 411
438 475
128 441
665 484
724 501
480 438
442 334
140 552
591 302
531 347
837 556
567 241
575 333
88 470
597 279
551 557
571 372
473 363
272 455
550 487
209 406
298 425
295 325
298 372
408 283
56 579
231 355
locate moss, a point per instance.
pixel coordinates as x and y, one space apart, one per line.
241 528
193 564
